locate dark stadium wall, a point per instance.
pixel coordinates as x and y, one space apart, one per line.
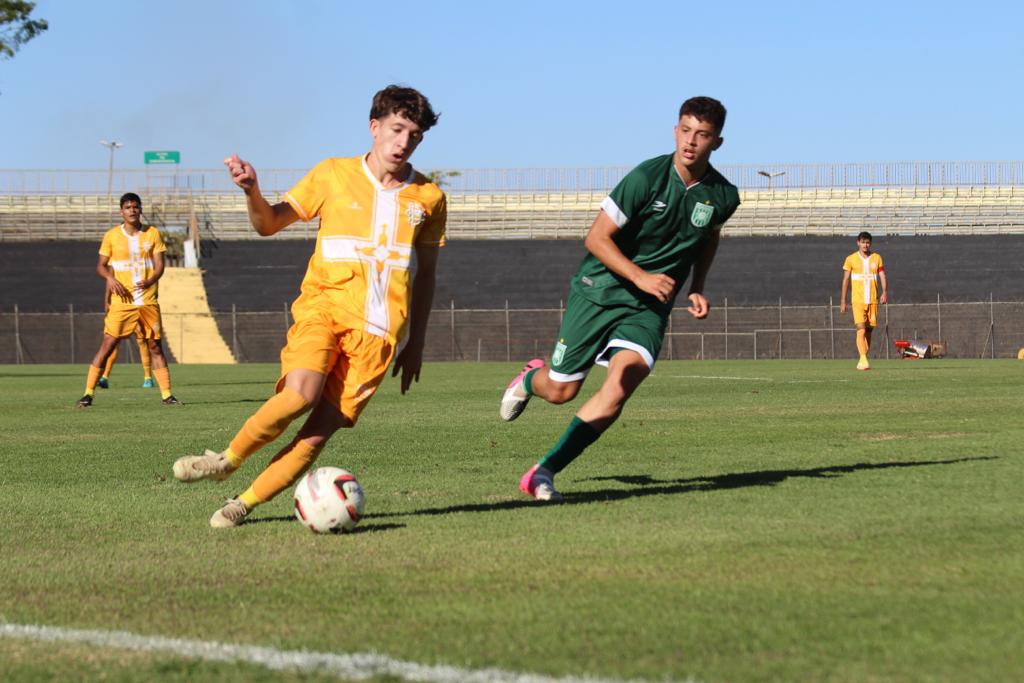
265 275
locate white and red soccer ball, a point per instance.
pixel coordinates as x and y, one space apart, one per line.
329 500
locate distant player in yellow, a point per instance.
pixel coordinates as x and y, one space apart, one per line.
144 356
368 288
864 268
132 262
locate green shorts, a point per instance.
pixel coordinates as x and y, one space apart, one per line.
593 334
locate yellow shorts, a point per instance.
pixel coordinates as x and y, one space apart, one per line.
143 321
865 313
354 361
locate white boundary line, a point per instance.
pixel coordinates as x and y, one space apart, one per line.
356 666
761 379
747 379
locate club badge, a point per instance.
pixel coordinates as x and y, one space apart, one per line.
702 214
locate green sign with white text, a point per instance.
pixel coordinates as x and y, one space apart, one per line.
162 157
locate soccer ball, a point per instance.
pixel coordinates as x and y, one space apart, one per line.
329 500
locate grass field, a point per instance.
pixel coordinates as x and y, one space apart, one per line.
744 521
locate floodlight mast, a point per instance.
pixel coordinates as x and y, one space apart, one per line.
770 176
111 145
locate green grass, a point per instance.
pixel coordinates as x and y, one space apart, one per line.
743 521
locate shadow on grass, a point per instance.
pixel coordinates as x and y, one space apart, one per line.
360 529
645 485
224 403
232 383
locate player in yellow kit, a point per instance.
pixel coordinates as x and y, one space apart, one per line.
144 355
865 270
368 287
132 262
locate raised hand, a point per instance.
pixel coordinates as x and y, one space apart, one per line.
242 172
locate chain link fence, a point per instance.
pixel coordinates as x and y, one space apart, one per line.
979 329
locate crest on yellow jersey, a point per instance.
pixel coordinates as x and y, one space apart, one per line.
415 213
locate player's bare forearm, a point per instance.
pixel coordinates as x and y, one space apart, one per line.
268 219
842 294
599 242
158 266
884 299
104 270
422 300
410 360
703 265
158 272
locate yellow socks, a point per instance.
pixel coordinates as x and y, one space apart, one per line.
267 424
233 458
250 499
111 359
286 467
91 380
145 359
862 343
163 380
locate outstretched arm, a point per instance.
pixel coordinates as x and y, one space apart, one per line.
410 360
599 242
266 218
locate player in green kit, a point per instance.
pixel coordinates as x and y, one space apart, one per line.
661 222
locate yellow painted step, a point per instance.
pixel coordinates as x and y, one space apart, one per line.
189 328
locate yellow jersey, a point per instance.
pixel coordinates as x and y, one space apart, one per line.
131 259
362 265
863 277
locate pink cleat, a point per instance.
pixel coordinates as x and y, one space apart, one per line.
514 400
539 483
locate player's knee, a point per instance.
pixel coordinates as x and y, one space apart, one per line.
322 424
559 392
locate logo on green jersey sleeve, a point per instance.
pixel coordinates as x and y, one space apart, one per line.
702 214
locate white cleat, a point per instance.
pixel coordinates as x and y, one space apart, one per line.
231 515
210 465
514 400
539 483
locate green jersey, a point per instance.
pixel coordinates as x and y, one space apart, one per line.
663 225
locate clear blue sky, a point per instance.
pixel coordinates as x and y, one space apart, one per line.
519 84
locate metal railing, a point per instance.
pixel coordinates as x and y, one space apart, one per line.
586 179
979 329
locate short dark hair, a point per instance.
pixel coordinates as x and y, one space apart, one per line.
864 235
129 197
408 102
705 109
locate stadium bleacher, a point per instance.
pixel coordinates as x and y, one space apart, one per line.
915 210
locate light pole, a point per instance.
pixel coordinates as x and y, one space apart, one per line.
111 145
770 176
